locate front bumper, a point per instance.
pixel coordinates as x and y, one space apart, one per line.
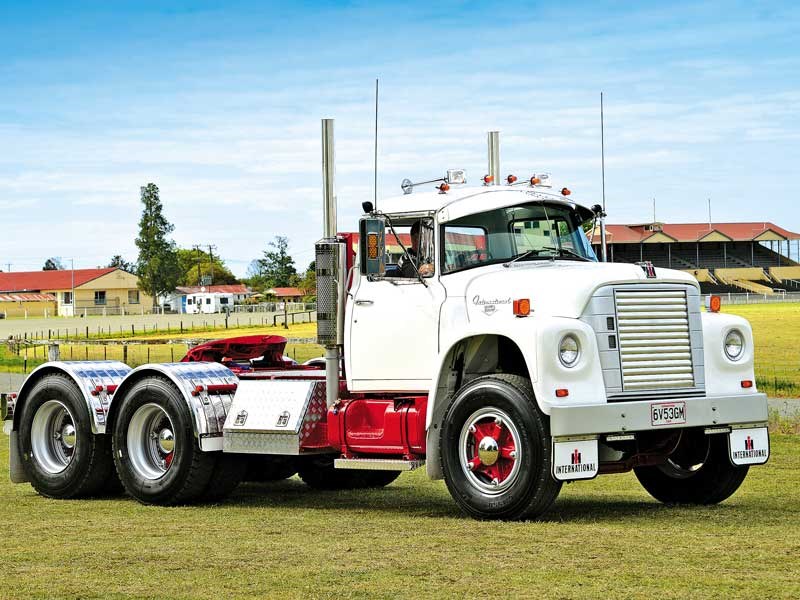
625 417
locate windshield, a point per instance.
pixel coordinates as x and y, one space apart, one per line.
533 231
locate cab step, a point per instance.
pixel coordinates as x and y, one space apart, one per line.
377 464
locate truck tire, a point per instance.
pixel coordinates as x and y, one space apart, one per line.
157 456
495 449
60 454
319 473
270 468
229 471
698 472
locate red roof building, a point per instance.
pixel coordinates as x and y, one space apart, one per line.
36 281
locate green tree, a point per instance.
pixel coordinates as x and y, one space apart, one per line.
195 263
276 268
53 264
120 263
157 265
309 282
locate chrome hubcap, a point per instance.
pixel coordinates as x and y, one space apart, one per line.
488 451
53 436
151 441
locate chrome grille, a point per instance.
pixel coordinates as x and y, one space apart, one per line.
654 340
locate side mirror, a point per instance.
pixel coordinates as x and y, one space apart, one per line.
372 246
368 207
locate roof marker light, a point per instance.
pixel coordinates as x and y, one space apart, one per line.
511 179
535 180
487 179
565 192
443 188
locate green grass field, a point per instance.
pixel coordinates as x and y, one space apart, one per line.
776 328
603 539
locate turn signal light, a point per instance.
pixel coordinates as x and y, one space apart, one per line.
511 179
487 179
522 307
562 393
714 303
565 192
747 383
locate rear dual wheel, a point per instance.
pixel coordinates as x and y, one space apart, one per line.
61 456
156 454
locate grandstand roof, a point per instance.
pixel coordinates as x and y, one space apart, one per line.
696 232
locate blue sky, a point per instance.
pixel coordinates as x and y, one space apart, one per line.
219 104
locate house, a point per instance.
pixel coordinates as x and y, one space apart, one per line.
109 291
205 299
27 305
285 294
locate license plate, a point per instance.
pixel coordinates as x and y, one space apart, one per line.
667 413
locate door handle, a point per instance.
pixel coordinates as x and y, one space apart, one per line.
364 302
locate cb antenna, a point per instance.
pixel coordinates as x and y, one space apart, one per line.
375 181
603 252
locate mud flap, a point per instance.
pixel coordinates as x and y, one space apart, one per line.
749 446
15 471
575 459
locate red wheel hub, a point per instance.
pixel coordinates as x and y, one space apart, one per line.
494 451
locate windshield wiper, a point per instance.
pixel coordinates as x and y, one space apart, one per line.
520 257
566 251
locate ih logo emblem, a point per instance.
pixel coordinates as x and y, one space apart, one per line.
283 420
648 269
748 443
576 457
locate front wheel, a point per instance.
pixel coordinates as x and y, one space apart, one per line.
496 450
697 472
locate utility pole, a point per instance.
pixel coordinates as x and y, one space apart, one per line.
8 269
72 293
709 214
198 254
211 248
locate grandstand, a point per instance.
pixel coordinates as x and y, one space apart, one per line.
757 257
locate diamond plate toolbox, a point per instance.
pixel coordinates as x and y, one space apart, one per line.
273 417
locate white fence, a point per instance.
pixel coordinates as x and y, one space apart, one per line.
747 298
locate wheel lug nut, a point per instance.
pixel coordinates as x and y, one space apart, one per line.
495 481
512 454
472 429
470 465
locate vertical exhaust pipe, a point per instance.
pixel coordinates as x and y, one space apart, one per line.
331 272
328 189
494 156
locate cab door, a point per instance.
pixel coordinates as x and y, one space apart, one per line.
393 337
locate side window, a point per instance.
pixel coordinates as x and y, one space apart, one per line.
464 247
418 239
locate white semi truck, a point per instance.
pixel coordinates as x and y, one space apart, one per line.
499 353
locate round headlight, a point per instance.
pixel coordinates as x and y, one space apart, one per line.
569 350
734 344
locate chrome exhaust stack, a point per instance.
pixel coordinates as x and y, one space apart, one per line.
331 269
494 157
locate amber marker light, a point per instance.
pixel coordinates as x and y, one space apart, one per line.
522 307
443 188
487 179
714 304
535 181
511 179
565 192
